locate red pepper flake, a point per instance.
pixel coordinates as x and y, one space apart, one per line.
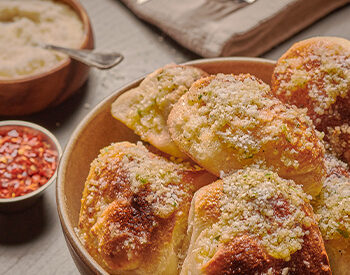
27 162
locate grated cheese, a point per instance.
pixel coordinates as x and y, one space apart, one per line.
238 114
324 72
24 23
143 171
332 206
315 74
160 91
263 205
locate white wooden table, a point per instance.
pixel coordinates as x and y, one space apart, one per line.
32 242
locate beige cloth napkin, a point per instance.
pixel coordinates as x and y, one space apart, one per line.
213 28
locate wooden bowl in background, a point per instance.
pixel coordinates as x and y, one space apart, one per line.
98 130
22 96
20 203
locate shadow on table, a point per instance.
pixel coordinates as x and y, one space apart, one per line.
21 227
52 117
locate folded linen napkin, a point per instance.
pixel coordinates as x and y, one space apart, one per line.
213 28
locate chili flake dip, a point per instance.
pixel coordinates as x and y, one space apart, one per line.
27 160
24 24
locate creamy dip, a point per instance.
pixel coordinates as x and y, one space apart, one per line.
24 23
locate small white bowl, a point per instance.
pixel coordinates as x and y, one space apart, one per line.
22 202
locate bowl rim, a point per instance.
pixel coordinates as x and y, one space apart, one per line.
69 231
82 13
49 136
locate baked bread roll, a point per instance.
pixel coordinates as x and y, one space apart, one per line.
134 209
228 122
315 74
253 222
332 207
145 109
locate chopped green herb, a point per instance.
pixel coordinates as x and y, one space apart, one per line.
249 156
141 179
170 88
174 204
344 233
139 112
285 130
217 238
200 97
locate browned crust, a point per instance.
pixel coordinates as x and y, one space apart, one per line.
336 119
335 168
300 97
334 233
128 235
339 139
207 202
136 219
152 85
245 255
311 170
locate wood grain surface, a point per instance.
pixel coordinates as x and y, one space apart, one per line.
32 242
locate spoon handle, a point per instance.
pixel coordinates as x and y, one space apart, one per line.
90 58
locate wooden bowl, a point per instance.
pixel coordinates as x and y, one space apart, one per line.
31 94
98 130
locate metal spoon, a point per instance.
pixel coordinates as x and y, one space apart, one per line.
88 57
